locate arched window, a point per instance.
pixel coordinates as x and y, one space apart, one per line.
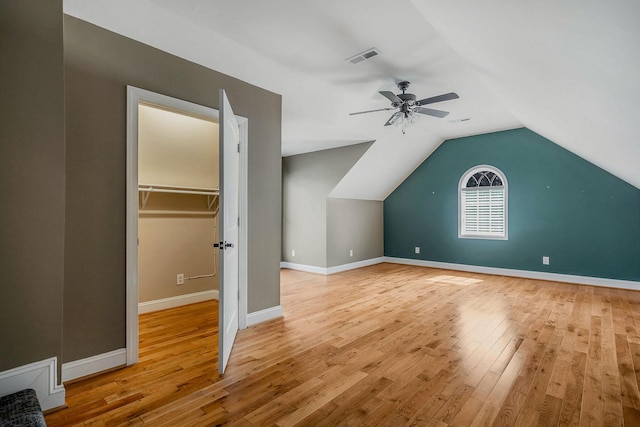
483 204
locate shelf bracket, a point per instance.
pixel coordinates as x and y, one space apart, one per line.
211 199
145 196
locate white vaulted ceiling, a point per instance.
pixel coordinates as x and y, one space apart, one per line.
566 69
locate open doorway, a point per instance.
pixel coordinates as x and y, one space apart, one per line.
178 208
173 206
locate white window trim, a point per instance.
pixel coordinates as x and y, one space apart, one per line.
463 183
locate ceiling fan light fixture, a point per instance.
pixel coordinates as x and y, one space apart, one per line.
397 120
404 119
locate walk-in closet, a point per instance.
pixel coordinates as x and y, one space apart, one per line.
178 208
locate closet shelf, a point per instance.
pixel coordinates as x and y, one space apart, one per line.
176 212
146 190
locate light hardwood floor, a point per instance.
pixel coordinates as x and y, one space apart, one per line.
386 345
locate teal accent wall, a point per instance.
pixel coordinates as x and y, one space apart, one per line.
585 219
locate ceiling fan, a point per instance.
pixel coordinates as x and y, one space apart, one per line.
407 105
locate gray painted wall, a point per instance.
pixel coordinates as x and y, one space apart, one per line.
98 66
354 225
32 172
307 181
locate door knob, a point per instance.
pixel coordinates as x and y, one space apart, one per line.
223 245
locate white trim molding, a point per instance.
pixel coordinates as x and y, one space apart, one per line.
41 376
135 96
527 274
354 265
490 214
303 267
264 315
94 364
243 252
177 301
537 275
332 270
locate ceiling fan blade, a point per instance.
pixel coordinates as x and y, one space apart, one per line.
431 112
439 98
390 96
392 117
371 111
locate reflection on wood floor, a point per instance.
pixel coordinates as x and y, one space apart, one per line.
386 345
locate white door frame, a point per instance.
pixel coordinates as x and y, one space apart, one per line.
135 96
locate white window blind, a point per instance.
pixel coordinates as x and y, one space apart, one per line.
483 211
483 204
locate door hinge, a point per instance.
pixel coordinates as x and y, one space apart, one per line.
238 221
238 148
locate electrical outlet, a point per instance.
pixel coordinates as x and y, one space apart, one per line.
545 260
417 249
350 252
293 252
180 279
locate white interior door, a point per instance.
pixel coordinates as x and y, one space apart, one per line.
229 265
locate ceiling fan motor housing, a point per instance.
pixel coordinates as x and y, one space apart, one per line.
407 98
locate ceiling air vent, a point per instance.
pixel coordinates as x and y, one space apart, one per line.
369 53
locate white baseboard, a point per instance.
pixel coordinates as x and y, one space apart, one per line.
354 265
303 267
41 376
538 275
264 315
180 300
332 270
94 364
